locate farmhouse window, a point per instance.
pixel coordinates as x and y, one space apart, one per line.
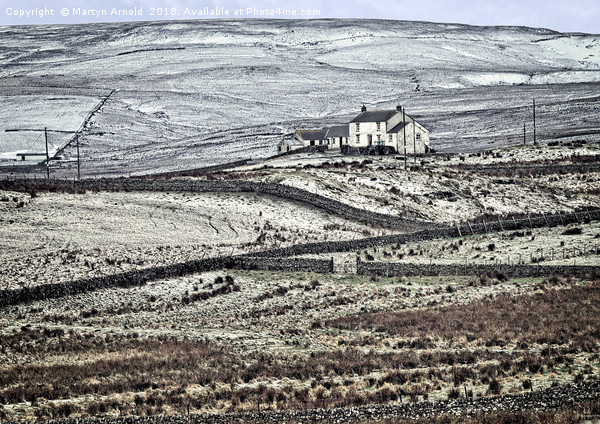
391 138
357 127
419 136
378 137
379 126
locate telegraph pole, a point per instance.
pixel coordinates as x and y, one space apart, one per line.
534 127
524 135
47 155
78 163
404 122
414 140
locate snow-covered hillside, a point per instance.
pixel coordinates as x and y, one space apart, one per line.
189 94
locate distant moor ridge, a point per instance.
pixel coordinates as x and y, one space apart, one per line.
163 96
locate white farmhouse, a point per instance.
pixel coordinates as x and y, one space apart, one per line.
387 131
387 128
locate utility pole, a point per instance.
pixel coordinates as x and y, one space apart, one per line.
524 135
404 122
534 126
78 163
398 108
414 140
47 155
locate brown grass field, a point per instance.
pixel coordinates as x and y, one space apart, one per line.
244 341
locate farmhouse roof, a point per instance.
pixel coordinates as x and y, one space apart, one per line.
374 116
398 127
312 134
338 131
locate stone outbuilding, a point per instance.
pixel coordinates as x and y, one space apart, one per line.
289 144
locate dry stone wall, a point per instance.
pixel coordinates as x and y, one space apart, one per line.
294 194
217 186
537 401
399 268
305 149
141 277
436 233
273 259
221 167
500 170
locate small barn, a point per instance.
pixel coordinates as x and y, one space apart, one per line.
315 137
289 144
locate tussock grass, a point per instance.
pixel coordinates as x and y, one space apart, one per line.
555 316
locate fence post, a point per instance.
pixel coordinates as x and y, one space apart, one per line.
470 228
484 226
458 228
500 222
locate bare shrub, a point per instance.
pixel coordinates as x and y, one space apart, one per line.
495 387
453 393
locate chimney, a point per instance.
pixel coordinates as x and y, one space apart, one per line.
363 109
399 107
